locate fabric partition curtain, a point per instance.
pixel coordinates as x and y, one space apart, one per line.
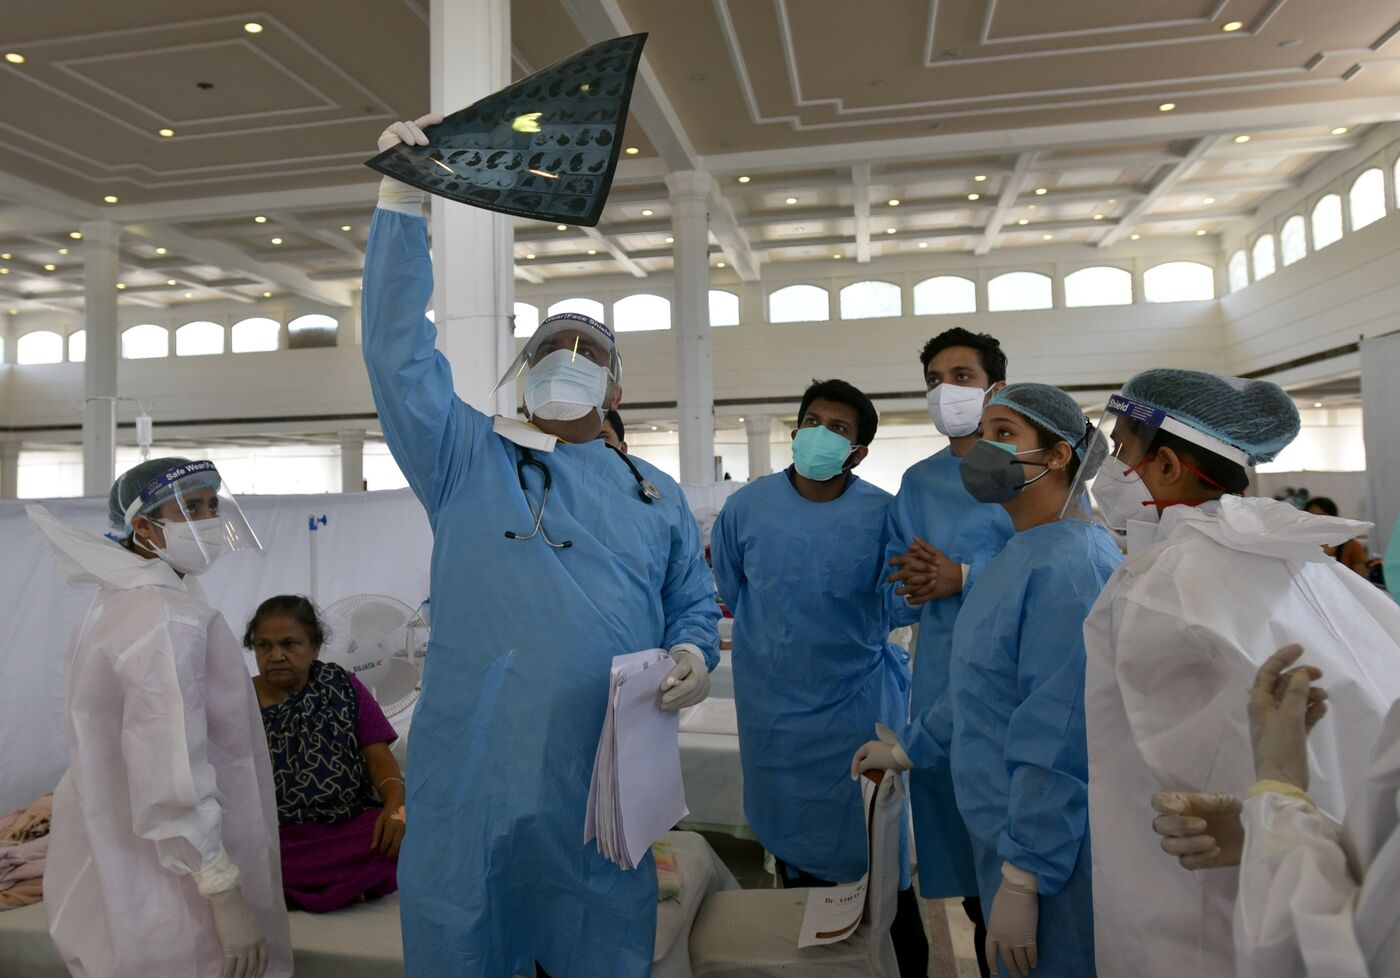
1380 402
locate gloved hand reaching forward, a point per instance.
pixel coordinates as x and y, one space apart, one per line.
245 949
688 682
1011 926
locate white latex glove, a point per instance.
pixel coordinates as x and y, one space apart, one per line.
883 754
245 949
1012 922
391 191
688 682
1201 831
1283 707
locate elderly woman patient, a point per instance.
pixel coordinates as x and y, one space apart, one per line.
340 796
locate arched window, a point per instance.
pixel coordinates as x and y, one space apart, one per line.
584 307
1018 290
1294 239
77 346
871 300
1367 198
724 308
311 330
145 342
945 295
201 339
1238 271
1327 221
1263 254
256 335
1100 285
1179 281
799 304
527 319
640 313
40 346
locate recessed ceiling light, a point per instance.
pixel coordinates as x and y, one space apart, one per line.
1041 191
345 227
110 199
670 240
260 219
1023 221
170 281
561 227
1030 207
655 428
923 244
63 251
974 196
893 201
1340 131
276 240
889 230
980 177
1317 404
4 271
267 295
719 264
648 212
50 267
790 200
6 256
1166 107
189 295
592 251
1112 200
253 27
1207 200
745 179
631 151
14 57
741 420
1233 26
1098 217
167 133
837 255
160 251
1134 236
1200 232
1242 139
530 256
121 285
76 235
1047 237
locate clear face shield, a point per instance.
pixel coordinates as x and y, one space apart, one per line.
568 366
198 517
1093 450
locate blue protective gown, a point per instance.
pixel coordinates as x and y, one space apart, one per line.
814 670
933 505
1019 757
494 873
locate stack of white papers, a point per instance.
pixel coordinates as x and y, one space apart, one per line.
636 795
834 912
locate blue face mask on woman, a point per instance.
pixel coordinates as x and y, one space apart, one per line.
820 453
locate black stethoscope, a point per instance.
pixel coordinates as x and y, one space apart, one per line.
646 490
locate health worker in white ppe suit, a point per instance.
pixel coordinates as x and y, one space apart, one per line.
163 861
1317 898
1212 581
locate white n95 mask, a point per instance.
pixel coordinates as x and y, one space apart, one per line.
956 411
1122 497
564 386
192 548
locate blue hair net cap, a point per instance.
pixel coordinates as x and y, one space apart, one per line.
129 485
1255 416
1050 408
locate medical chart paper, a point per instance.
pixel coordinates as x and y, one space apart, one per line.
834 912
636 794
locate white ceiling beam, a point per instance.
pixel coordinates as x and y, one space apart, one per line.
1244 185
1198 216
860 192
1282 147
724 225
1159 188
1006 200
350 196
618 255
534 278
228 257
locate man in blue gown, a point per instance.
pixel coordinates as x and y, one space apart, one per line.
937 537
799 557
494 873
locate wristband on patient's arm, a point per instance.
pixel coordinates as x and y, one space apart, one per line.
219 875
1268 785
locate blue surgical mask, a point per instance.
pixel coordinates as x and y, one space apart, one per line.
565 386
820 453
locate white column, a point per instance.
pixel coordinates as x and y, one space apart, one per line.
760 429
100 240
690 322
352 461
9 469
472 248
